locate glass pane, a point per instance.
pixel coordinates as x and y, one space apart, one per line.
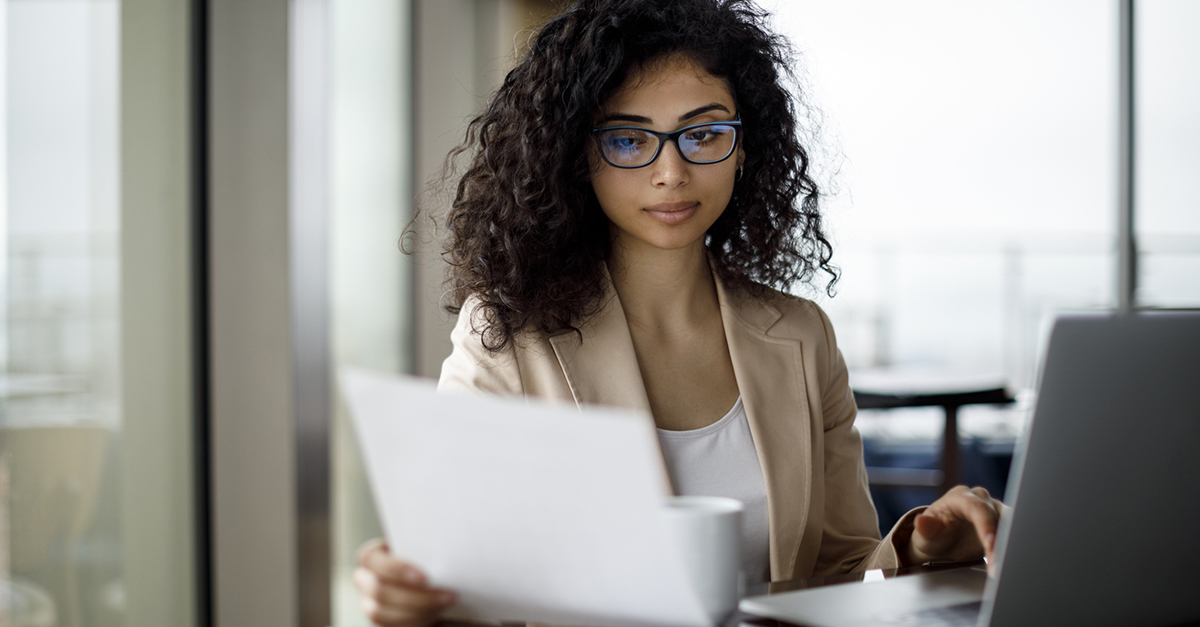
370 205
968 154
95 401
1167 201
61 407
972 150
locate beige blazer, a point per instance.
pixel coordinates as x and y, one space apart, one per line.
794 388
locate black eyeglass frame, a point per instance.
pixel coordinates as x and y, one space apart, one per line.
672 137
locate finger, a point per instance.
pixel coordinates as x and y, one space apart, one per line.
370 546
929 538
387 616
958 489
382 563
958 525
408 601
965 503
1002 512
929 526
949 507
380 614
983 516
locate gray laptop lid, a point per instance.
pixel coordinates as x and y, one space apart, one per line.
1106 526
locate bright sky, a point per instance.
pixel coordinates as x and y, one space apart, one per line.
996 119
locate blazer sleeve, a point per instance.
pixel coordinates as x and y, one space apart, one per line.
471 368
850 540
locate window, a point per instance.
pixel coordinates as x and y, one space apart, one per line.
1167 152
96 493
972 151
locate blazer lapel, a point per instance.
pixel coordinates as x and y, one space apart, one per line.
770 377
602 369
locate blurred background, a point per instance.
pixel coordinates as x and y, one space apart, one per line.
201 200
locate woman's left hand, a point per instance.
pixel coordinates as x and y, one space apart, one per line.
960 526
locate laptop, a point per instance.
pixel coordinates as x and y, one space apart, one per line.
1105 491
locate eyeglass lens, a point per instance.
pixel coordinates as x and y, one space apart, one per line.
631 147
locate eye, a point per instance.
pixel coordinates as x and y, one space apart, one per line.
624 140
706 134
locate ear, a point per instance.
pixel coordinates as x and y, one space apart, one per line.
741 156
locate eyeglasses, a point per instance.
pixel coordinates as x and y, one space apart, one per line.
636 147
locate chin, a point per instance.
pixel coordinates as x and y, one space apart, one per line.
675 242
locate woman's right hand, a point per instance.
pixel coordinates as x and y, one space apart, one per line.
395 593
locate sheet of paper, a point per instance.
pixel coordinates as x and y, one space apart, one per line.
530 512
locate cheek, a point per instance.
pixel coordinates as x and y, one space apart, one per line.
722 182
610 188
598 176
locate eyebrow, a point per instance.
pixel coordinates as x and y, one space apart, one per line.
641 119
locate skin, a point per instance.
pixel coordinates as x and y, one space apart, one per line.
659 215
395 593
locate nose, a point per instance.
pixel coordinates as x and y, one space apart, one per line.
669 169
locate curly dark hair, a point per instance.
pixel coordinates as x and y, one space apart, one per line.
527 237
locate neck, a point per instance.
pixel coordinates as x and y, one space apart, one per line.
663 289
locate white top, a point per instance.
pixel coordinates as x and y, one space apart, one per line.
720 460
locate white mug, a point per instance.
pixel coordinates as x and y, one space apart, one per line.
708 531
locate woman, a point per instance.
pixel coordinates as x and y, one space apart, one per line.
637 192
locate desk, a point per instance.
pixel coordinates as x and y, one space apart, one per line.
741 618
819 582
890 388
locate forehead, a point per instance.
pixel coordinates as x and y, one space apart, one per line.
668 86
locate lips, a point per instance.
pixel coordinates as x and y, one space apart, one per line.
672 212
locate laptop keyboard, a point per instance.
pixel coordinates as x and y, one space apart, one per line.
963 615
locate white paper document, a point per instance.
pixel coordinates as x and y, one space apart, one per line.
528 511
